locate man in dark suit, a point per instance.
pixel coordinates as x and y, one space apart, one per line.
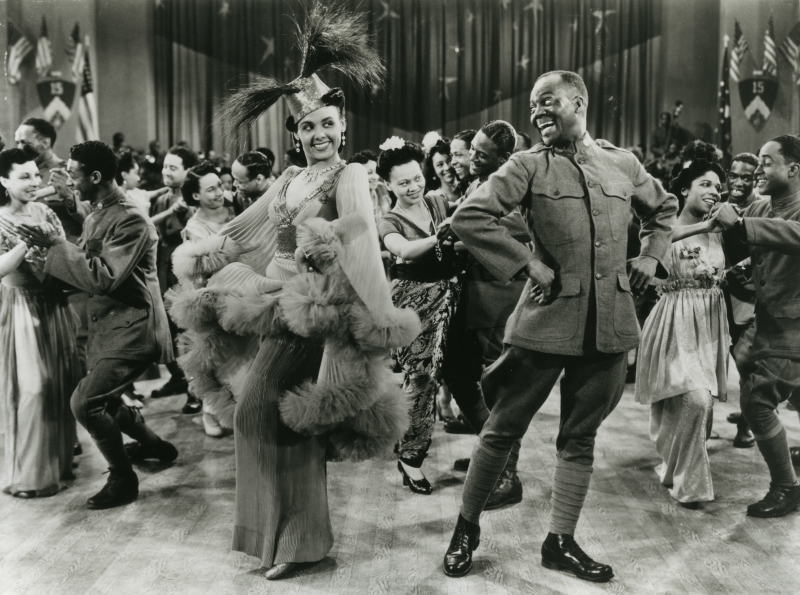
115 263
576 313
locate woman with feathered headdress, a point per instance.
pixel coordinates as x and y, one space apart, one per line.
289 315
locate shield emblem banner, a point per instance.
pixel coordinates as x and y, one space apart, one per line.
56 96
758 95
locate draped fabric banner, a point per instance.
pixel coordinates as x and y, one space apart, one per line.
453 64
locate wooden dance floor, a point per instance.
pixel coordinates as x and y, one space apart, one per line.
176 537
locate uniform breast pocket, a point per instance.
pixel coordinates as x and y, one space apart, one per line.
558 212
618 205
94 247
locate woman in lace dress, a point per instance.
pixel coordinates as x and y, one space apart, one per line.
39 366
294 322
684 346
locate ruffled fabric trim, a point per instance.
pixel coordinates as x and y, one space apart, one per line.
251 313
191 308
196 261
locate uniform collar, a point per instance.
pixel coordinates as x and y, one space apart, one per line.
581 144
113 198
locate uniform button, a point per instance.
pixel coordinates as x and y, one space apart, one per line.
581 161
598 276
94 318
763 283
557 192
597 244
591 184
91 295
127 323
595 212
624 193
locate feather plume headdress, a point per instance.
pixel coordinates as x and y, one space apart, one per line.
331 38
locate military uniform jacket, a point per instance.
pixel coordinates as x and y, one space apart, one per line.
773 244
115 263
577 209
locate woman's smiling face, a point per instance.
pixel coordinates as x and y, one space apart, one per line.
407 183
320 133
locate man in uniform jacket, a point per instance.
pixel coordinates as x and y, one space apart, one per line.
115 263
576 313
769 233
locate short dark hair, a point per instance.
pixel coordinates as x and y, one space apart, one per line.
125 163
526 139
268 153
689 174
225 170
572 79
188 157
790 147
502 134
406 154
442 147
8 159
466 136
698 149
747 158
42 128
192 182
256 163
95 156
362 157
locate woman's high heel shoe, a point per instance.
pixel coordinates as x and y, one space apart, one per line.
418 486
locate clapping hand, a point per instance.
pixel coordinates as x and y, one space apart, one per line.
60 181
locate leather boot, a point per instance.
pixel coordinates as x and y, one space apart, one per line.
121 488
164 451
562 552
460 425
744 437
795 452
778 502
507 491
466 538
461 465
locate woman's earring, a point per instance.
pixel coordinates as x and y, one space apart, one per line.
342 144
297 144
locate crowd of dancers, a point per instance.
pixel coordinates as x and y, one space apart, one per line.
481 267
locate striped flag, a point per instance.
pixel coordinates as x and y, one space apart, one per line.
87 106
770 65
75 51
738 51
18 48
791 49
725 126
44 52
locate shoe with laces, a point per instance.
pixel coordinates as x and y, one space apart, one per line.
562 552
121 488
466 538
778 502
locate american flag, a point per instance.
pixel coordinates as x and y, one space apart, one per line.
725 109
75 51
791 49
87 106
770 56
44 52
18 48
740 48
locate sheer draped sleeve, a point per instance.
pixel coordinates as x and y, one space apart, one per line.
360 258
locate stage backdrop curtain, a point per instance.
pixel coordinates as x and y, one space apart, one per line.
453 64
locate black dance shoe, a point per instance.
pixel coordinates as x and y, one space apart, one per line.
507 491
163 451
26 494
795 452
778 502
744 437
562 552
466 539
77 450
174 386
689 505
193 405
461 465
418 486
458 426
121 488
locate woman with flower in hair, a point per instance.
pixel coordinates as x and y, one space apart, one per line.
684 347
440 177
416 232
289 314
39 365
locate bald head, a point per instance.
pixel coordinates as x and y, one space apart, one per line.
558 107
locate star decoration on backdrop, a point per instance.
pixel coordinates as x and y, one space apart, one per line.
524 61
225 10
470 16
534 6
288 63
505 3
601 15
388 13
446 91
269 49
498 95
376 88
455 48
